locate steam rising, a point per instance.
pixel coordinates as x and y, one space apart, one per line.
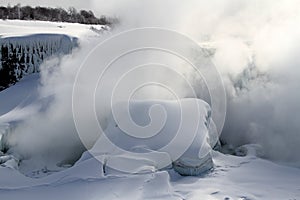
254 45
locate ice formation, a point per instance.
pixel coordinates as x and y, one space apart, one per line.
22 55
139 155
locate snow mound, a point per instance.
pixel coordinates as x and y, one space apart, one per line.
128 146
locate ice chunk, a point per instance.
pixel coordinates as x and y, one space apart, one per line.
9 161
193 167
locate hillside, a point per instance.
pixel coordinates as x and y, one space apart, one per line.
24 45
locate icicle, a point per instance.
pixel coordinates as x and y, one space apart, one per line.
28 52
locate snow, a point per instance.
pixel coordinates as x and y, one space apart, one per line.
23 94
155 158
27 44
14 28
189 146
232 177
244 178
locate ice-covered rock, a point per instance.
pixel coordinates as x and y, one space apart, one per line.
250 150
4 130
22 55
175 139
9 161
193 167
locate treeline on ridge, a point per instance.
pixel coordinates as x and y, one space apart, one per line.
52 14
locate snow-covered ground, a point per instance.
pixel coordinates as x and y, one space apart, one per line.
10 28
242 178
232 177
